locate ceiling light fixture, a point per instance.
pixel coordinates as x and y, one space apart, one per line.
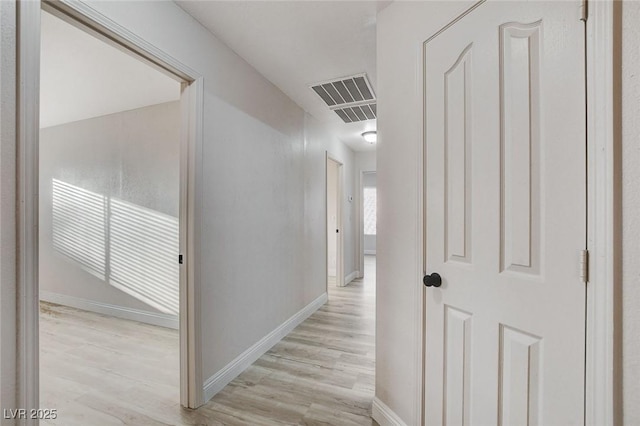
371 136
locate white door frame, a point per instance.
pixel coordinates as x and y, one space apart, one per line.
340 210
603 377
603 382
28 74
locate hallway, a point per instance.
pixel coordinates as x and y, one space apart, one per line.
321 373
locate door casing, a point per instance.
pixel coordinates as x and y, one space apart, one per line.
28 47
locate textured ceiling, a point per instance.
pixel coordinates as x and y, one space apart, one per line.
295 44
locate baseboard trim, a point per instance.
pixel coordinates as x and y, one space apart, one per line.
219 380
373 252
352 276
153 318
384 415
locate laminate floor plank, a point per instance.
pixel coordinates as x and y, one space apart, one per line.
99 370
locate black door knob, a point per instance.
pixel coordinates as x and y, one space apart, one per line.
433 280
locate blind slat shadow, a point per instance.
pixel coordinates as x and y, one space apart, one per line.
130 247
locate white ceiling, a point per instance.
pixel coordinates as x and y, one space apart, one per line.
82 77
297 43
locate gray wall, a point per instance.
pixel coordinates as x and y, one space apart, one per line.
630 88
251 180
109 198
259 180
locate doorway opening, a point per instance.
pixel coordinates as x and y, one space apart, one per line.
100 232
334 209
109 177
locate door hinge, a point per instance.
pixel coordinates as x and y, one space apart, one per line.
180 259
584 266
583 10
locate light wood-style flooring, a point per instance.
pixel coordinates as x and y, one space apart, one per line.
99 370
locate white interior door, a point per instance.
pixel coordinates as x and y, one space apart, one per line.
505 216
335 242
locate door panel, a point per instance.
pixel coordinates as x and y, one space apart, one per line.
520 359
505 216
457 359
457 102
520 146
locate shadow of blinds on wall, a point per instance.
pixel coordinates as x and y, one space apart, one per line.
143 253
79 226
132 248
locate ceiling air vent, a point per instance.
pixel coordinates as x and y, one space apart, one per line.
351 98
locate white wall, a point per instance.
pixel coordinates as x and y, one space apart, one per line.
630 88
369 180
318 141
366 161
131 160
7 204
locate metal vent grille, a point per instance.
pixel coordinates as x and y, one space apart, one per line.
351 98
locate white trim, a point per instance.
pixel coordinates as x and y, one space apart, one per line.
370 252
419 292
8 206
352 276
384 415
192 101
28 119
601 389
222 378
81 12
147 317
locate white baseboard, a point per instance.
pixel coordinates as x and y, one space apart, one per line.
219 380
373 252
352 276
382 414
153 318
